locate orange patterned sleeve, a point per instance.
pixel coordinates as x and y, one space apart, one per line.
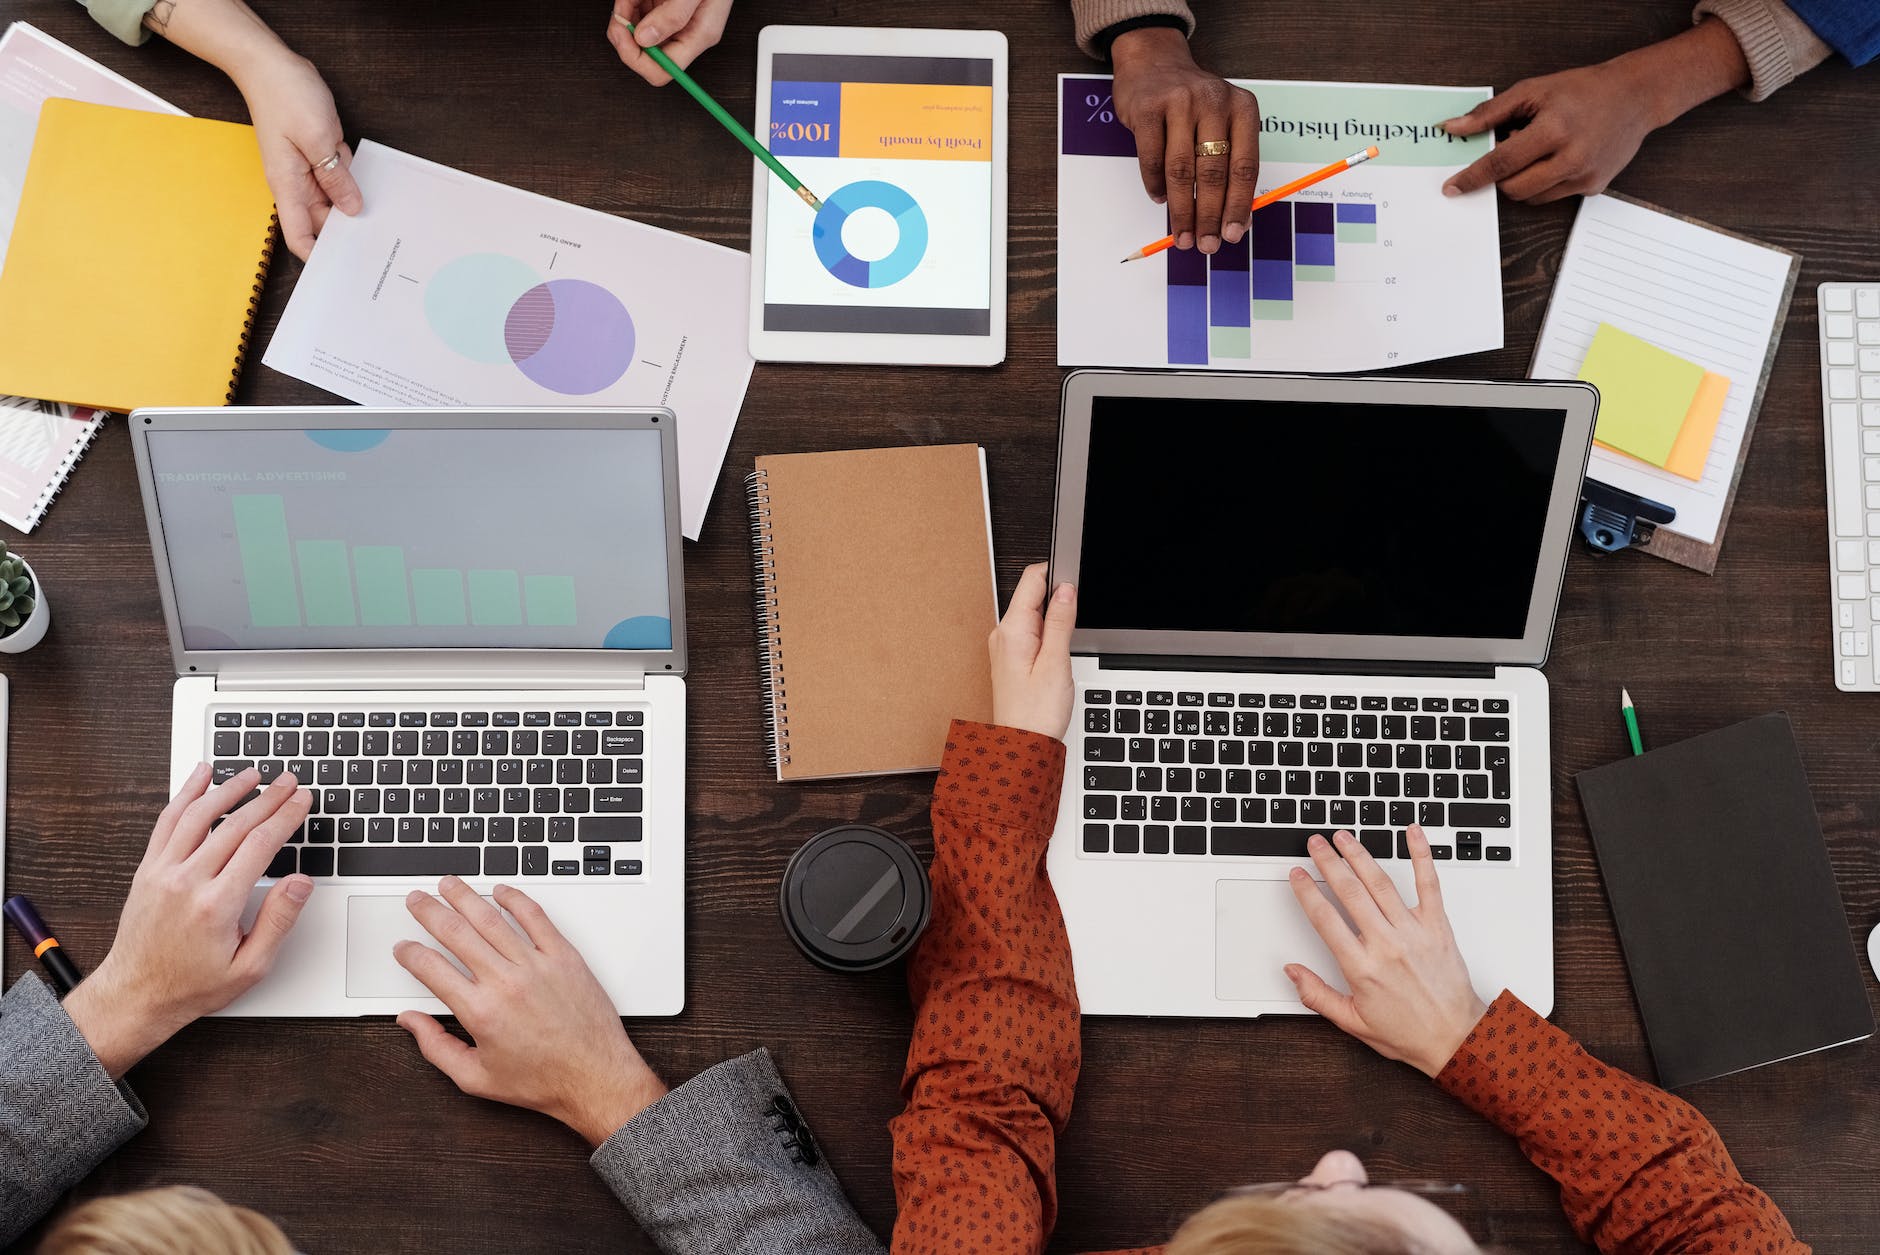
1640 1172
994 1057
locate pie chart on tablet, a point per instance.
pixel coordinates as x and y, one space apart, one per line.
569 336
870 234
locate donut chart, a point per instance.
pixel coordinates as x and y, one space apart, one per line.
570 336
887 271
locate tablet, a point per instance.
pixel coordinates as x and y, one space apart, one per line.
901 133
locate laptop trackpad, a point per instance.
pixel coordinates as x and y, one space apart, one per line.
1258 928
373 926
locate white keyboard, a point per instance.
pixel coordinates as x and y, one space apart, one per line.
1850 389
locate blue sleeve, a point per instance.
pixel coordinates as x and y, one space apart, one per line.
1850 27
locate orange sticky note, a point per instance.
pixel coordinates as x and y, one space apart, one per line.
1692 448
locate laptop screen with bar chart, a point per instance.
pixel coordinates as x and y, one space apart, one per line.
287 538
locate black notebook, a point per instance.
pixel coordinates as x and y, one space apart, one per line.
1733 929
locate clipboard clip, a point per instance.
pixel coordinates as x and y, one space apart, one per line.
1612 519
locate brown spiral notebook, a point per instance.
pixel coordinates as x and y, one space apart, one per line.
875 596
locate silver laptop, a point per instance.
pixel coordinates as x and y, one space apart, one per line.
465 630
1305 605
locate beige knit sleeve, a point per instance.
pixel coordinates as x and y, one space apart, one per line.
1093 17
1777 44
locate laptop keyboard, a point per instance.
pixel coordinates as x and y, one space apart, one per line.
1254 775
429 793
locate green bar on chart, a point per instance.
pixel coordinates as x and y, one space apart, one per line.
1230 341
439 594
495 599
267 560
325 584
550 599
379 572
1272 311
1314 274
1357 233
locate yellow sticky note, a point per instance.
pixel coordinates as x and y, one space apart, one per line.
1644 393
1692 448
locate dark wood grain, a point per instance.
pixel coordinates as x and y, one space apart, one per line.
340 1129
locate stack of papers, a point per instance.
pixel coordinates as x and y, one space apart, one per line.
1653 404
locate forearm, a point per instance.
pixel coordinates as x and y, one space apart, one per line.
993 1062
714 1168
225 33
1639 1170
60 1115
1094 17
1670 78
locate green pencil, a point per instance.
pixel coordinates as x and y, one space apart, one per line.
725 120
1631 721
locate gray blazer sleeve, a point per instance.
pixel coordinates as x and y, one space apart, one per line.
60 1115
714 1167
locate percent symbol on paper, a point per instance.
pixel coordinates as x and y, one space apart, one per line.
1100 110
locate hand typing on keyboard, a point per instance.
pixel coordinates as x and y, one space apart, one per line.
547 1037
180 952
1410 994
1031 657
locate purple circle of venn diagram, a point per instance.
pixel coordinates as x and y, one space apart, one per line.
570 336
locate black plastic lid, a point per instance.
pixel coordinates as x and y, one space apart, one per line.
854 898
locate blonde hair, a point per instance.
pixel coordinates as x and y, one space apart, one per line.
1269 1226
181 1220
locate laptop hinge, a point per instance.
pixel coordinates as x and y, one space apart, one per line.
339 679
1295 666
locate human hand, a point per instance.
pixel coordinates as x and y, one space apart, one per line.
547 1037
180 952
1031 657
1171 105
1410 995
682 29
1580 128
298 130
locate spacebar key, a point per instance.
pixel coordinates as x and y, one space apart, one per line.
441 860
1261 842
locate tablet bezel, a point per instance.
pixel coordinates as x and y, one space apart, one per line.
867 349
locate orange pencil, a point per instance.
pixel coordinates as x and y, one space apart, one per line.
1278 193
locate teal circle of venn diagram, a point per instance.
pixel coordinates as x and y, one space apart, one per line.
568 335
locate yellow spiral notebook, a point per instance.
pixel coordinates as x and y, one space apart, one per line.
136 261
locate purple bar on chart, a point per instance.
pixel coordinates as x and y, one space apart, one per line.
1272 280
1089 121
1228 294
1313 224
1314 249
1272 233
1313 217
1187 307
1230 303
1357 213
1272 239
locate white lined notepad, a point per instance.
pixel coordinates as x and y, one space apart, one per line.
1714 299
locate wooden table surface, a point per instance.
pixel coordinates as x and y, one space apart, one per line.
340 1129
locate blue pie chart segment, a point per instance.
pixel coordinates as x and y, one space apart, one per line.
846 266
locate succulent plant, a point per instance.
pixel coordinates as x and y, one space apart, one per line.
16 591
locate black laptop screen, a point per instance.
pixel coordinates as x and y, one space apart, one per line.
1205 515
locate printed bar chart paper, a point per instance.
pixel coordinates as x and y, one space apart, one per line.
1370 269
452 290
